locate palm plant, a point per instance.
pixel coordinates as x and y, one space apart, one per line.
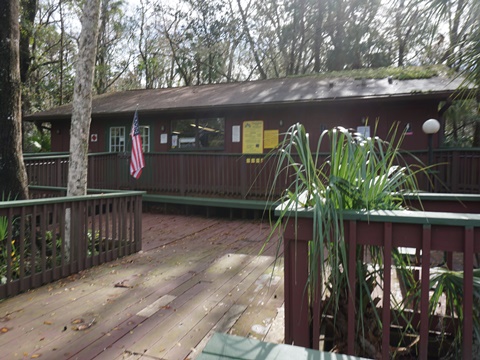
360 173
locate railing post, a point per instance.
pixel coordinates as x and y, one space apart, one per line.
297 325
352 249
387 285
468 294
58 177
424 292
243 178
91 172
138 223
183 180
455 174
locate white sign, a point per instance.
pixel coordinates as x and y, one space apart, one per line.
163 138
364 130
236 133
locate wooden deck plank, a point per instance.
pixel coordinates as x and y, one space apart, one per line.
120 310
81 290
227 278
222 326
214 309
263 299
192 282
186 262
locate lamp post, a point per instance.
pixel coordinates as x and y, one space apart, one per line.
430 127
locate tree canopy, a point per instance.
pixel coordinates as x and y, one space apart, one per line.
161 43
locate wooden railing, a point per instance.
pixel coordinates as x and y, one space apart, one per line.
228 175
423 231
33 249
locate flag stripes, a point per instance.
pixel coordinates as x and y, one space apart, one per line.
137 160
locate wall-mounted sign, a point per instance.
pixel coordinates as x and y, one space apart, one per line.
364 130
163 138
252 137
93 137
236 133
174 141
270 139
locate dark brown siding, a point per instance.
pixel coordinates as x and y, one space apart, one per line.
315 116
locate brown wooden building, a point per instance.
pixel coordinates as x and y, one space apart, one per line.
206 144
249 117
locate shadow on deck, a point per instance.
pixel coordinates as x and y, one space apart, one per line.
195 276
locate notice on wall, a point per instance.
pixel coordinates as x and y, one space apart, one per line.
163 138
364 130
270 139
236 133
252 137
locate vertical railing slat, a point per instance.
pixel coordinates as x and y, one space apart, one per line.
352 261
425 288
387 285
468 255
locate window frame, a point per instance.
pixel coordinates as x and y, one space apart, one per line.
118 145
197 146
145 144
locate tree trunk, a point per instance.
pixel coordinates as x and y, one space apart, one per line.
29 10
476 132
318 36
82 100
82 109
12 168
250 41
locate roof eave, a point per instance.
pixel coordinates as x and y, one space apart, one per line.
433 95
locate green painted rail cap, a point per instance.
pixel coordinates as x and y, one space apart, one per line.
223 346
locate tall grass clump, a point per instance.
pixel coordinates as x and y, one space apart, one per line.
359 173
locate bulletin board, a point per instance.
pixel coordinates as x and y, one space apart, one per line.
270 139
252 137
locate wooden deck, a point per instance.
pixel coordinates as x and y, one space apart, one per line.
195 276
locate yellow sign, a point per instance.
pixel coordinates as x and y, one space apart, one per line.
252 137
270 139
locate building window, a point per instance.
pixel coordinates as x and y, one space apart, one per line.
198 134
117 139
145 134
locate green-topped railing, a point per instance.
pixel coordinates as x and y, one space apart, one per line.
235 176
425 232
33 235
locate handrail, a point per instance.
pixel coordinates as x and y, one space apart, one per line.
230 175
62 199
426 231
35 236
396 216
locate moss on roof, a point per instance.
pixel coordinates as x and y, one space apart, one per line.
400 73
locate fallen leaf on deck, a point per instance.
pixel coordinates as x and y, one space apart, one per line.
4 330
77 321
122 285
83 326
35 356
47 323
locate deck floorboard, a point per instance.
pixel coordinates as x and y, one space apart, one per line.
194 276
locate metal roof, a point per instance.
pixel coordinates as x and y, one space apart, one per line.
262 92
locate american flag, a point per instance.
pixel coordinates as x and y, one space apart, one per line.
137 161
